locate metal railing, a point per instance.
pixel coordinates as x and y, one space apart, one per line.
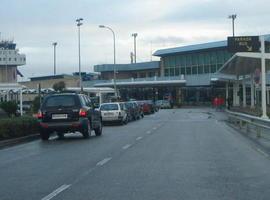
244 121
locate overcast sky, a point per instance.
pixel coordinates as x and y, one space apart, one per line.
36 24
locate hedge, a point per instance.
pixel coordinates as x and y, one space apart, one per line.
17 127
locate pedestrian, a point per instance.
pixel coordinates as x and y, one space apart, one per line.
215 103
229 103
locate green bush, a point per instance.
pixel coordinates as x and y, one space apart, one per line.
10 107
18 127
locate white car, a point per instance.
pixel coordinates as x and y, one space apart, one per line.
114 112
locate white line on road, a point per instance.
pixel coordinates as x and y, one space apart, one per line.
139 138
148 132
126 146
262 152
56 192
154 128
104 161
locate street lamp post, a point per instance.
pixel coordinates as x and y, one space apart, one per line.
79 23
54 57
233 17
114 58
135 52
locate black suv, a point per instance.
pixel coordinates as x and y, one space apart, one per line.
68 112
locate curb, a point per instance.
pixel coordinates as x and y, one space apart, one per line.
20 140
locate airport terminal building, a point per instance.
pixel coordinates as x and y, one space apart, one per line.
185 74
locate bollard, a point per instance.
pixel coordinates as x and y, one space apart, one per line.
240 124
258 130
247 128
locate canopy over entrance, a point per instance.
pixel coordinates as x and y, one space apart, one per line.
244 64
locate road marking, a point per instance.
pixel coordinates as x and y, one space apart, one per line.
148 132
139 138
56 192
104 161
262 152
126 146
53 137
154 128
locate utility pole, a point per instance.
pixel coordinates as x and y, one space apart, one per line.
114 58
54 57
233 17
79 23
135 53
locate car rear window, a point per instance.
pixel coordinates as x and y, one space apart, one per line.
112 106
60 101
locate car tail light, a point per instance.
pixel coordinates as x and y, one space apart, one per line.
40 115
83 113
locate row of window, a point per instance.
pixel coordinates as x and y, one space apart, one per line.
201 58
9 52
10 59
194 70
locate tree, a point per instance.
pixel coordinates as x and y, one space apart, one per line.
59 86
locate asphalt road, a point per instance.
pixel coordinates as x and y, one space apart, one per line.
173 154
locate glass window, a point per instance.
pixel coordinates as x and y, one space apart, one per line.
188 60
166 72
183 70
166 62
220 56
200 69
109 106
213 57
219 66
194 70
172 61
206 58
194 59
178 60
177 71
188 70
183 60
60 101
172 72
206 69
213 68
201 59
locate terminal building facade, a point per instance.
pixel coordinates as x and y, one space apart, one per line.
186 74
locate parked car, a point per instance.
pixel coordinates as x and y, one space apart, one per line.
152 106
68 112
163 104
114 112
134 109
141 109
129 111
146 107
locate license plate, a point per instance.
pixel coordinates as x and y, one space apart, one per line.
108 113
59 116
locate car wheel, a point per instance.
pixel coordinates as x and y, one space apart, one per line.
87 130
98 131
45 135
